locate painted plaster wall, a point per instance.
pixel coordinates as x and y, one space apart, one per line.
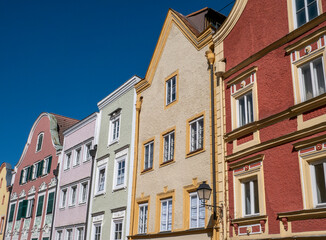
4 198
114 199
74 176
31 157
193 98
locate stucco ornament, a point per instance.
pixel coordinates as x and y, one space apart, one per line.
42 187
32 190
52 183
14 196
54 132
22 194
45 228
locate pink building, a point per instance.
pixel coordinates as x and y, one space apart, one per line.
32 200
75 165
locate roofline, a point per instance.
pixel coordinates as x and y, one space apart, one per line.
80 124
198 11
119 91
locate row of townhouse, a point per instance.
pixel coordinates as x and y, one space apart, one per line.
235 105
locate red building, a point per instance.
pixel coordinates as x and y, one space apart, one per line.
275 118
31 205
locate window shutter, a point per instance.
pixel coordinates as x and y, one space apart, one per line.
31 173
12 211
41 168
19 214
27 174
49 208
24 208
21 177
40 206
49 164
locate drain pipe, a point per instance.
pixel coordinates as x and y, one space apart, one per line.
55 173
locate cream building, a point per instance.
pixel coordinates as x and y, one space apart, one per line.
5 182
173 152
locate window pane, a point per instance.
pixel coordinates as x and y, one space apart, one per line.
173 97
307 82
170 215
319 75
256 196
171 146
193 211
312 9
247 198
168 92
166 148
242 116
193 136
301 17
320 183
250 113
200 133
299 4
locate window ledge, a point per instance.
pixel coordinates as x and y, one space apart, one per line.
167 163
190 154
113 142
303 214
249 219
147 170
115 189
99 194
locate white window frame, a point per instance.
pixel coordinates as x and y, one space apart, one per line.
313 76
71 202
117 160
67 164
142 219
114 136
95 225
199 205
167 156
81 192
252 197
169 202
45 166
306 12
35 168
197 144
114 222
86 152
63 197
67 234
78 233
169 90
24 175
150 155
75 163
99 168
29 211
246 112
37 142
313 182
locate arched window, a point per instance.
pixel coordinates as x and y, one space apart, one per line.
39 142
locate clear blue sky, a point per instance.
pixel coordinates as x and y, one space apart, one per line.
64 56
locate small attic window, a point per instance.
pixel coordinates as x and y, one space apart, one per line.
39 142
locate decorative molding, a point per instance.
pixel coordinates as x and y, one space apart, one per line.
32 190
309 142
303 214
249 220
242 162
42 187
80 124
285 223
52 183
22 194
242 75
14 196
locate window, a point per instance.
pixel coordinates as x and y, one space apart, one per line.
196 134
142 222
30 208
59 235
101 180
312 79
46 166
34 171
80 233
197 212
171 90
117 235
39 142
49 208
77 156
12 212
24 175
22 209
305 10
245 109
40 206
87 153
97 232
63 198
114 129
100 184
73 193
318 175
83 192
148 158
250 197
166 215
168 147
67 161
69 234
120 172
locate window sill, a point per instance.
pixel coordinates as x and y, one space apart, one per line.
72 206
167 163
99 194
314 213
147 170
75 166
190 154
249 219
82 203
116 189
113 142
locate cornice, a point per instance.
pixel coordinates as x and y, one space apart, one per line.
303 214
80 124
309 142
259 157
119 92
242 75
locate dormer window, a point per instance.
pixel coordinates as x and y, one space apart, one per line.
39 142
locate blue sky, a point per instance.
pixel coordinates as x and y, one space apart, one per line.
64 56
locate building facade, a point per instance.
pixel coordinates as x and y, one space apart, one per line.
273 86
33 192
173 152
5 184
113 166
75 164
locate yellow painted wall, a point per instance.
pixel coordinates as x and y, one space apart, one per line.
3 204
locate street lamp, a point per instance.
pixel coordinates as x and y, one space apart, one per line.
204 192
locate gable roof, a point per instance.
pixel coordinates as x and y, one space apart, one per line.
197 27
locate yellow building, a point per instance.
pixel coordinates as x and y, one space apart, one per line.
5 181
173 150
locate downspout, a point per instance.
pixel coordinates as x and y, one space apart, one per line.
55 173
92 153
211 58
10 189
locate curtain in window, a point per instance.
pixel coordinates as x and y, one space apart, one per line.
164 216
193 211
